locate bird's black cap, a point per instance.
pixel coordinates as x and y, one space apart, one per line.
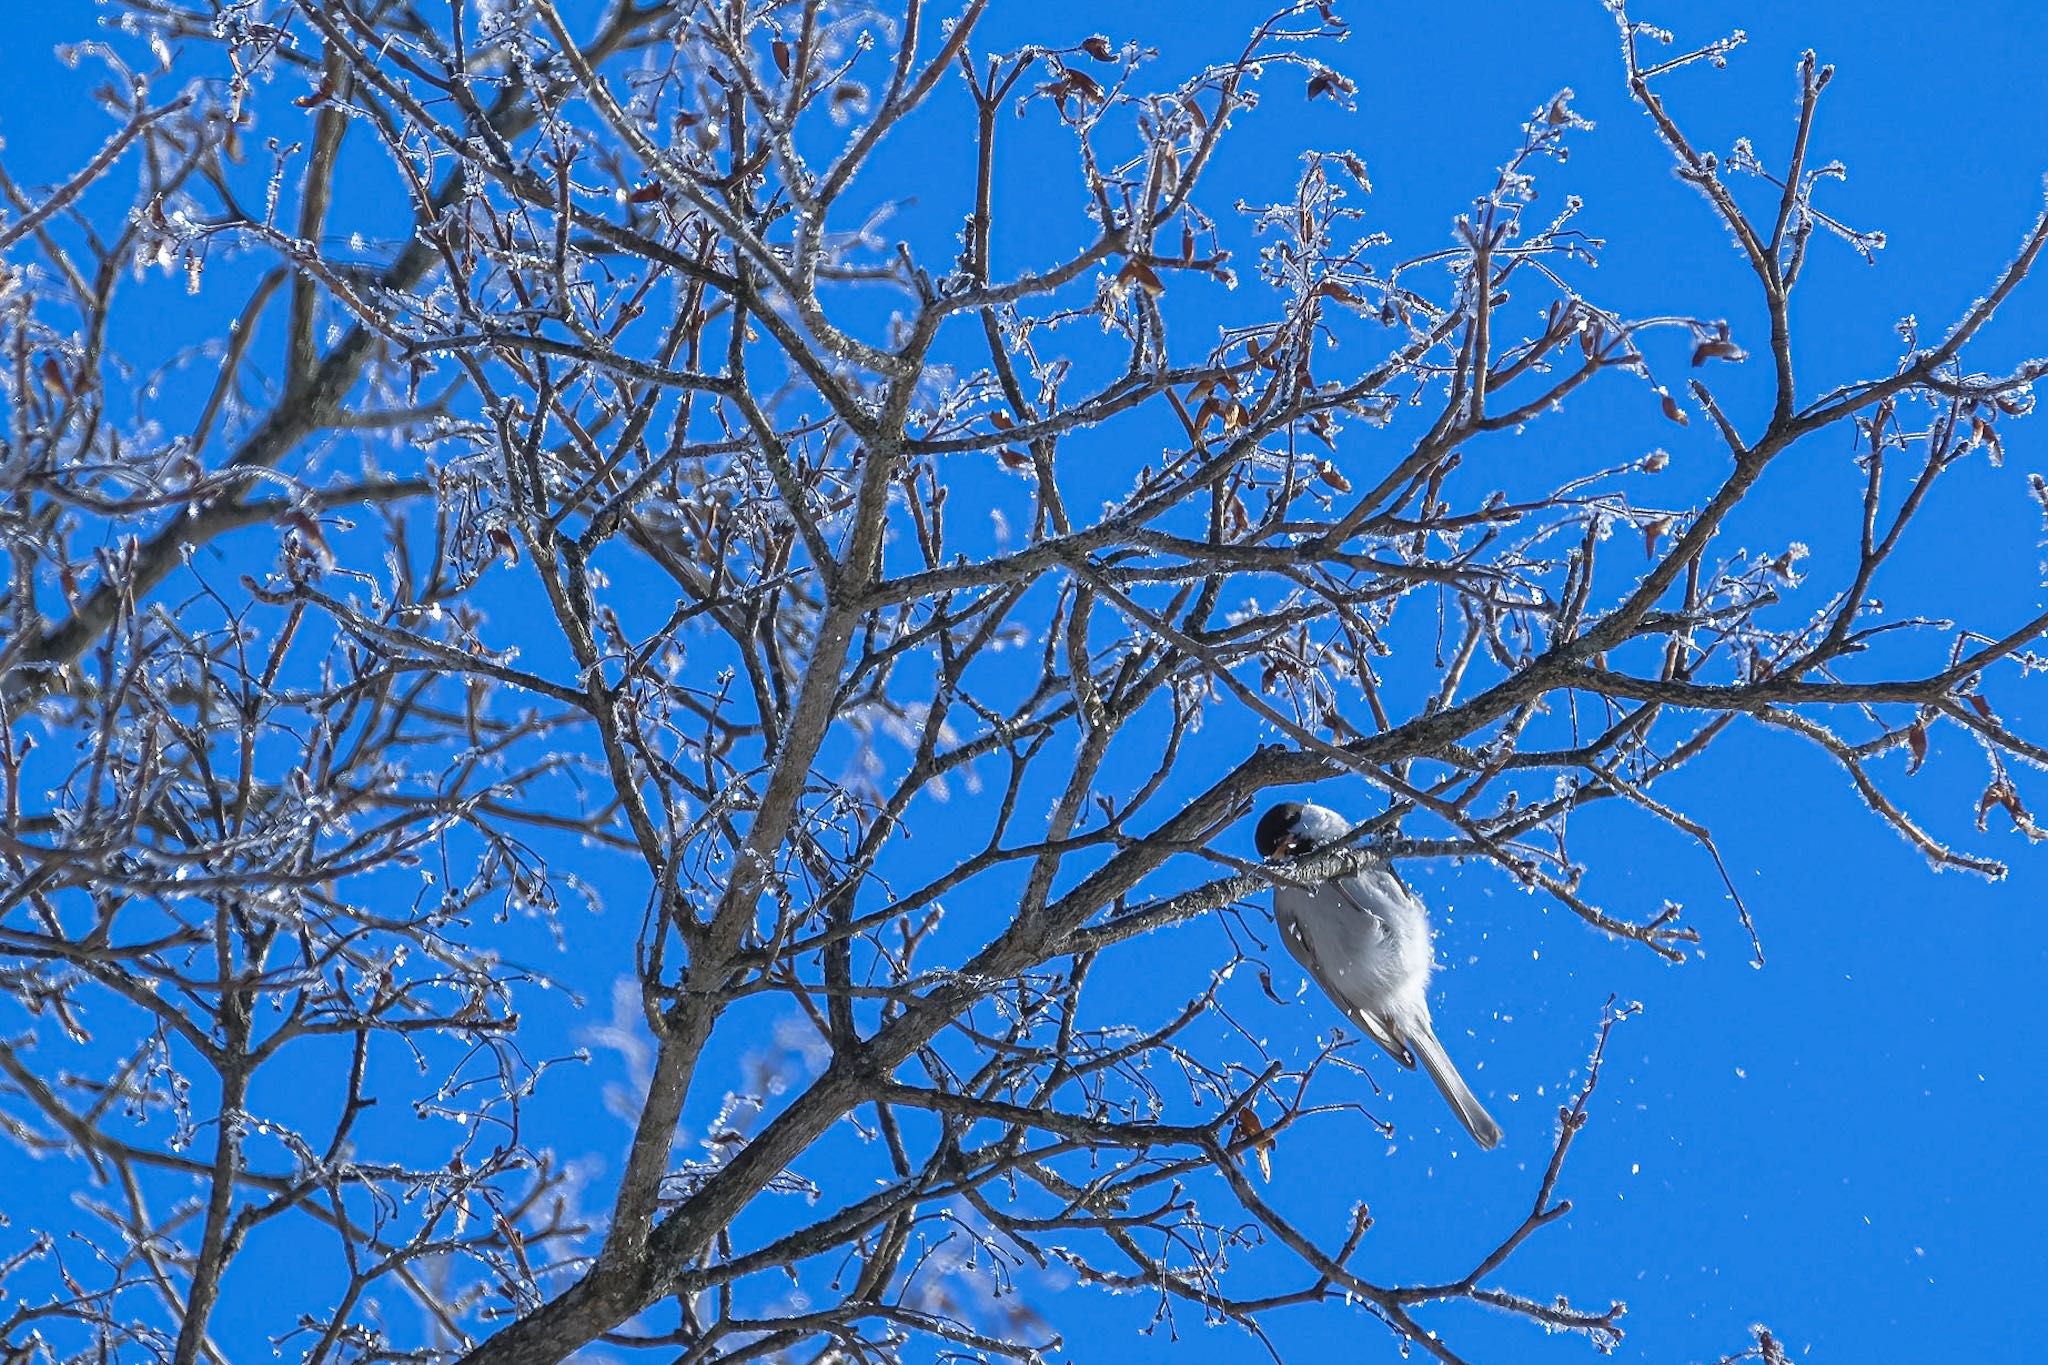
1274 826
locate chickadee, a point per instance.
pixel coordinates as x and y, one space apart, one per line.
1364 937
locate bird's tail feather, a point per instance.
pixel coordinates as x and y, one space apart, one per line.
1463 1102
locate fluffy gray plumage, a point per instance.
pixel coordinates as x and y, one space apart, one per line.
1365 939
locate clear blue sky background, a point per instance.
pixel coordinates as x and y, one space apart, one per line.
1847 1145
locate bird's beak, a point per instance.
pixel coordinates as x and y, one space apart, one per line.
1292 845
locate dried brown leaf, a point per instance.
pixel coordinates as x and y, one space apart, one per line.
1136 272
1249 1131
1080 83
1330 83
1240 516
1717 349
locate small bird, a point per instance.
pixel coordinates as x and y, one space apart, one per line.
1364 937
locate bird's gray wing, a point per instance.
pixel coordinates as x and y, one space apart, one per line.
1395 913
1360 895
1355 893
1303 947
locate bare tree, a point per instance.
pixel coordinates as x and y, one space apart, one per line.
562 477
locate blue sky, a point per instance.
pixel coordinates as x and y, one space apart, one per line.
1848 1144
